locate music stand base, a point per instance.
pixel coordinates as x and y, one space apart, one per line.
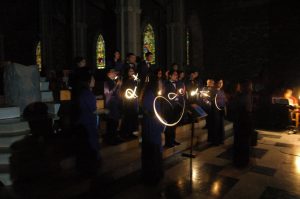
188 155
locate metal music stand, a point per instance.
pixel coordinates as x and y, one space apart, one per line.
195 112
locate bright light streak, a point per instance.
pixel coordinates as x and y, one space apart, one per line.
180 91
171 96
205 93
217 103
195 92
135 77
131 94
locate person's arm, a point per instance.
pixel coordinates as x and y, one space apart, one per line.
109 92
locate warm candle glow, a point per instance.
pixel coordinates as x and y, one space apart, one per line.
205 93
195 92
180 91
159 92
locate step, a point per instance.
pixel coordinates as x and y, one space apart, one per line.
127 162
47 96
53 108
13 126
5 178
9 112
44 86
108 151
5 142
4 158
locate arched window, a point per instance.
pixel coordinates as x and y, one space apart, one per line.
149 41
100 52
38 56
188 47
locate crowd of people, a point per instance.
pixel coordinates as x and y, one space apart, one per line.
130 90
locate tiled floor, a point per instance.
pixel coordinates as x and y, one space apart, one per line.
274 173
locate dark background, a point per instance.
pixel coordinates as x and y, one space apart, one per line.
232 39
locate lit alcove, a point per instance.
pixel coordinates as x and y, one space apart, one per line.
38 56
100 52
149 41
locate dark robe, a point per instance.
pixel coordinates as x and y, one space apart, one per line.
126 67
243 129
129 110
171 112
152 168
113 103
146 72
88 118
117 65
216 132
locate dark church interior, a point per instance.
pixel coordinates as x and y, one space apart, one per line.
166 99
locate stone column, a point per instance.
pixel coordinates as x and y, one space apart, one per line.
176 33
79 28
1 48
196 39
46 35
129 26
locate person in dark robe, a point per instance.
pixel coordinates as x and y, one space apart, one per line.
152 163
216 123
129 63
171 112
243 126
35 168
130 106
159 77
116 62
113 103
146 70
206 98
192 84
80 67
88 122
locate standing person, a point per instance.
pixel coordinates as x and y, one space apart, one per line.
181 81
79 68
129 63
216 129
152 164
88 122
130 106
146 69
35 168
114 104
116 62
243 126
160 80
171 111
192 85
206 100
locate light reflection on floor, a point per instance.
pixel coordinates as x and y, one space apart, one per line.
210 176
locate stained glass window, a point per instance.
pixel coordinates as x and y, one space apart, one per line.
100 52
188 47
149 41
38 56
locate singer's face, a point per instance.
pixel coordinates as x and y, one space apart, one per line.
130 72
174 76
